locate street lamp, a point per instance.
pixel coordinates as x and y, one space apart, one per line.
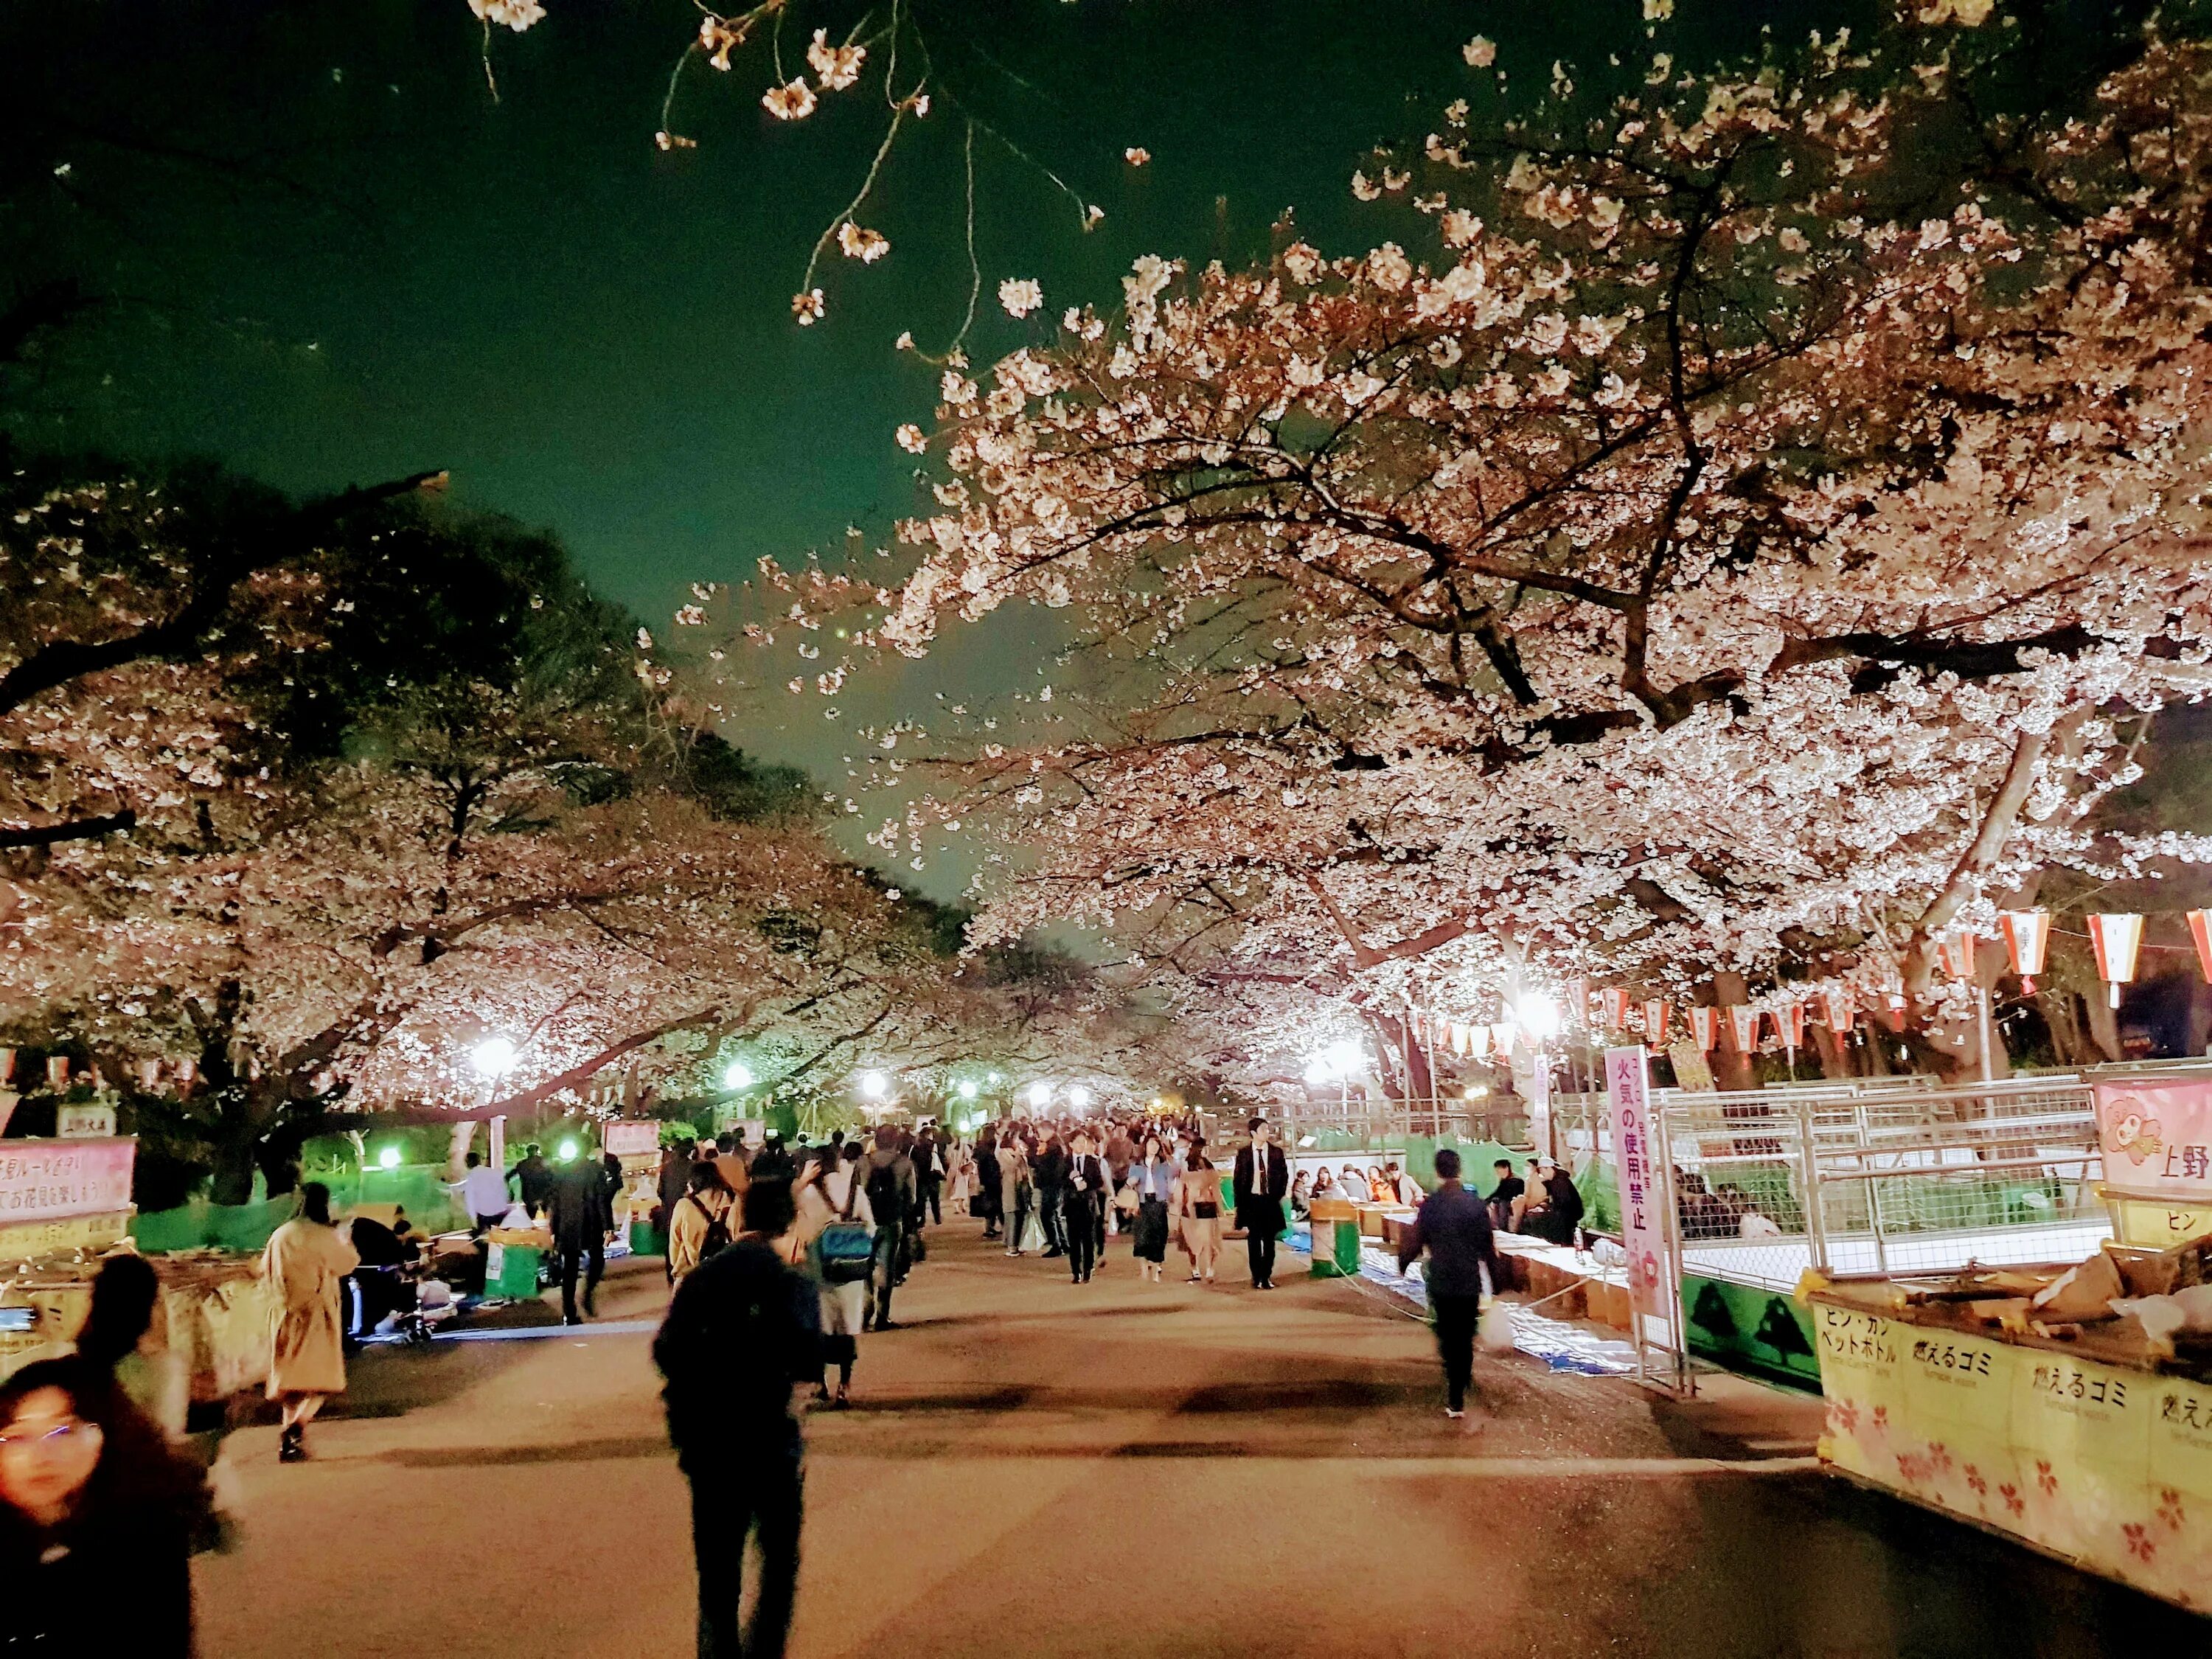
1078 1097
874 1086
967 1089
737 1077
388 1158
1040 1095
494 1057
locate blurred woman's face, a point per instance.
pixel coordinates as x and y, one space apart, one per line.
47 1452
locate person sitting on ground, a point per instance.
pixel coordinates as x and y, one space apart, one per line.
1503 1200
699 1227
1379 1189
1532 1198
1562 1211
1404 1189
1302 1196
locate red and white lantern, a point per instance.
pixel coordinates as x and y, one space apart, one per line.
2117 938
1705 1027
1836 999
1955 952
1478 1041
1654 1020
149 1075
57 1071
2200 929
2027 938
1743 1025
1616 1008
1788 1024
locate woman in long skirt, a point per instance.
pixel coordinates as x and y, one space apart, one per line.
1198 1207
1154 1176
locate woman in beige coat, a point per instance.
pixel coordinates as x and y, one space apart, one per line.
708 1204
305 1268
1198 1208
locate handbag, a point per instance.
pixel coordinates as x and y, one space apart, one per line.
1205 1209
848 1247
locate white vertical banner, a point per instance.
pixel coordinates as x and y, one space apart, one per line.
1540 1104
1647 1207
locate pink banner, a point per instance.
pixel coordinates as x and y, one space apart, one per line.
45 1180
627 1138
1642 1186
2157 1137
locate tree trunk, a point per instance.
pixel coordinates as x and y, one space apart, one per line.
1835 1055
234 1142
1732 1067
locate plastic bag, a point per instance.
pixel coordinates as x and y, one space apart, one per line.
1493 1329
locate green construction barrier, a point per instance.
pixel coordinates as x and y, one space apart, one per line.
1747 1330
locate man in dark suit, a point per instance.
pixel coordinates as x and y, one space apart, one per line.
1263 1182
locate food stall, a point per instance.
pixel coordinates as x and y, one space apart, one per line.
2067 1406
64 1207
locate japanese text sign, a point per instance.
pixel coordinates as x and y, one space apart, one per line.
2156 1133
1643 1188
40 1180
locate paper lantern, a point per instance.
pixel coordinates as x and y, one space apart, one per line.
150 1074
2117 938
1578 990
2027 938
2200 929
1654 1020
1616 1008
1705 1027
7 1064
1478 1041
1837 1000
1459 1042
1743 1024
1789 1023
58 1070
1956 952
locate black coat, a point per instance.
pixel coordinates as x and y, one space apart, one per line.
1256 1212
743 1328
1453 1228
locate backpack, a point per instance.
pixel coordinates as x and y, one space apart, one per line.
718 1229
885 1197
848 1249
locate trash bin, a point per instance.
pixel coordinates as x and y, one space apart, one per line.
511 1274
1335 1239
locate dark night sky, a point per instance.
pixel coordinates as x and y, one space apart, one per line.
384 270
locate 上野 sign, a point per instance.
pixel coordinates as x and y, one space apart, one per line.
2156 1133
42 1179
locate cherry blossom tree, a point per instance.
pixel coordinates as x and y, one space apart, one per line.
1744 543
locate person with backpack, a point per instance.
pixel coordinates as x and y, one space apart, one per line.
742 1329
887 1178
699 1226
834 1216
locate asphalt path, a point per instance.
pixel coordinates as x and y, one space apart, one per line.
1039 1468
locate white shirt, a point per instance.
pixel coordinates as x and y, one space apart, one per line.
483 1191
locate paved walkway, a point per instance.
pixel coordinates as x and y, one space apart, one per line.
1038 1467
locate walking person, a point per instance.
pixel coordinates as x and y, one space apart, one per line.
1262 1179
740 1331
838 1199
1013 1191
533 1178
1198 1209
305 1267
1453 1228
1154 1173
97 1517
1049 1174
700 1226
579 1214
928 1155
887 1176
1084 1207
985 1203
482 1195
